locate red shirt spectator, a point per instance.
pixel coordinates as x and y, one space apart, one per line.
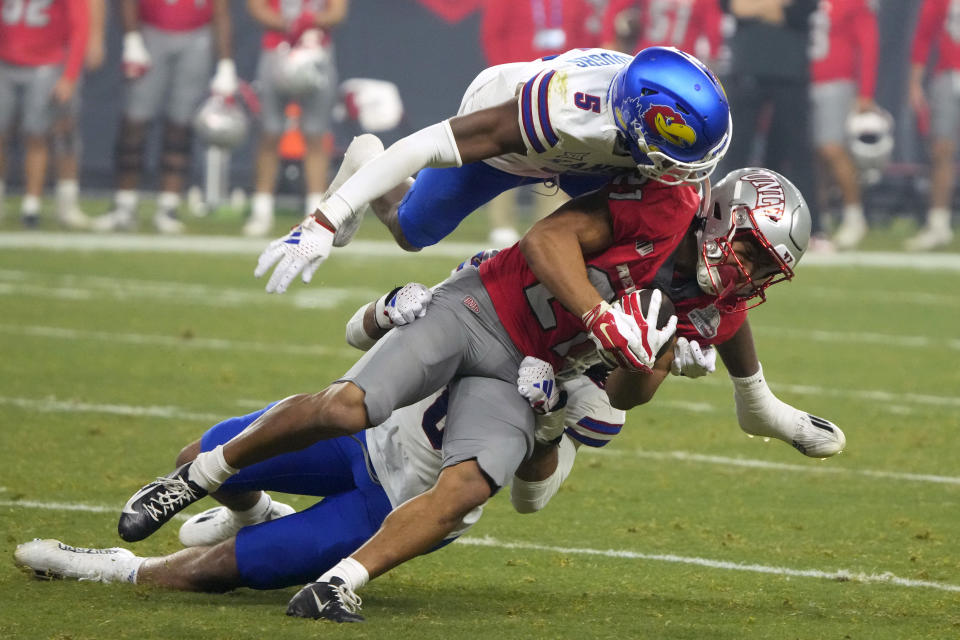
53 34
676 23
176 15
939 26
844 44
522 30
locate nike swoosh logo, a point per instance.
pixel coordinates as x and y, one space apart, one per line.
603 329
320 605
134 498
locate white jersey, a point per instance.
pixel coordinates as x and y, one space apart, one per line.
565 116
405 451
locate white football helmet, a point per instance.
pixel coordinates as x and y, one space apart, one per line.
221 122
302 68
870 142
374 104
759 206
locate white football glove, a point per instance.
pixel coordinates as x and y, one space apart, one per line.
302 250
692 360
135 57
224 81
408 304
536 382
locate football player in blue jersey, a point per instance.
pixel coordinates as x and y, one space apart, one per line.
575 119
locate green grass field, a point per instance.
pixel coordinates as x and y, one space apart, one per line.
682 528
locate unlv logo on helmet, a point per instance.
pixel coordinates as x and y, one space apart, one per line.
770 196
670 126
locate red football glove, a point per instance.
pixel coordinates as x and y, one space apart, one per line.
613 332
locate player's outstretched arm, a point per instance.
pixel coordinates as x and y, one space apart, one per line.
761 413
451 143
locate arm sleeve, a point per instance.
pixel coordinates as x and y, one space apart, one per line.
79 18
932 16
356 336
529 497
867 39
433 146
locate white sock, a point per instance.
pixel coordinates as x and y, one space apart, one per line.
852 214
67 192
257 513
210 469
938 218
353 574
126 200
168 202
121 569
30 205
262 205
312 202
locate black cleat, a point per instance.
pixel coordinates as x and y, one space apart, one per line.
327 600
148 509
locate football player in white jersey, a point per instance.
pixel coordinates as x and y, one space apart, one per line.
258 543
575 119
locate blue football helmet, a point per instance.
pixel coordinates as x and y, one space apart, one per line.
673 113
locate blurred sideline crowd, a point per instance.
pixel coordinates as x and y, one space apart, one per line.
801 77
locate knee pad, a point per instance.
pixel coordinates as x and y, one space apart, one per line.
130 145
176 145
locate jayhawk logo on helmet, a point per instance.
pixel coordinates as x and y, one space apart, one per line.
669 125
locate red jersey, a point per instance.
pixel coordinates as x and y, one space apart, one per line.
843 44
939 27
176 15
290 10
33 34
523 30
675 23
698 317
649 221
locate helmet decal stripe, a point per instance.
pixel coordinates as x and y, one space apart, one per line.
527 116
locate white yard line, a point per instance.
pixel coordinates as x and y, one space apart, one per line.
72 287
811 467
839 575
253 246
54 405
216 344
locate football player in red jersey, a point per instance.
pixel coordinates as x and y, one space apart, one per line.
843 73
42 46
693 26
168 54
294 28
591 252
938 28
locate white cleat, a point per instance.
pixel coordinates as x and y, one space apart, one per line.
52 559
258 225
116 220
168 223
215 525
73 218
360 151
850 234
814 436
929 238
